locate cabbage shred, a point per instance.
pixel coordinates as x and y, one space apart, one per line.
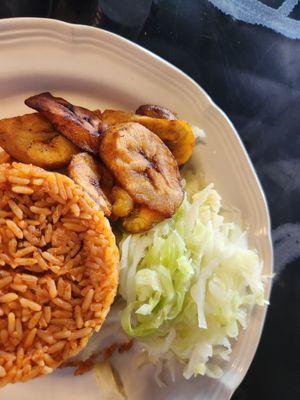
189 284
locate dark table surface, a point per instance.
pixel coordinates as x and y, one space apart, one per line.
253 74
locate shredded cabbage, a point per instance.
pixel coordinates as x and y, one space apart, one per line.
189 284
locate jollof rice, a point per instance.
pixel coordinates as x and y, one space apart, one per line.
58 270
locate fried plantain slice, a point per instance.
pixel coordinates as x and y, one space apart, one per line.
143 166
4 156
141 220
98 113
154 111
122 202
80 125
30 138
177 134
83 169
107 179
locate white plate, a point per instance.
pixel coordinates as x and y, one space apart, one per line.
95 68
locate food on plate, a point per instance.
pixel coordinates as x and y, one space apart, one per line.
30 138
154 111
188 279
122 203
98 113
59 270
4 156
189 284
177 134
134 218
141 219
137 203
80 125
143 166
84 171
107 180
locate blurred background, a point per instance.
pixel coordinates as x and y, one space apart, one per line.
253 73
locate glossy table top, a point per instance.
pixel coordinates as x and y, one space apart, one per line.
253 74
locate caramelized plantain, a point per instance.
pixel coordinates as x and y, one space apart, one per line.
141 220
83 127
177 135
143 166
122 202
107 179
98 113
30 138
4 156
83 169
154 111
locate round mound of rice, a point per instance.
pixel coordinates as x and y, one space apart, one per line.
58 270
